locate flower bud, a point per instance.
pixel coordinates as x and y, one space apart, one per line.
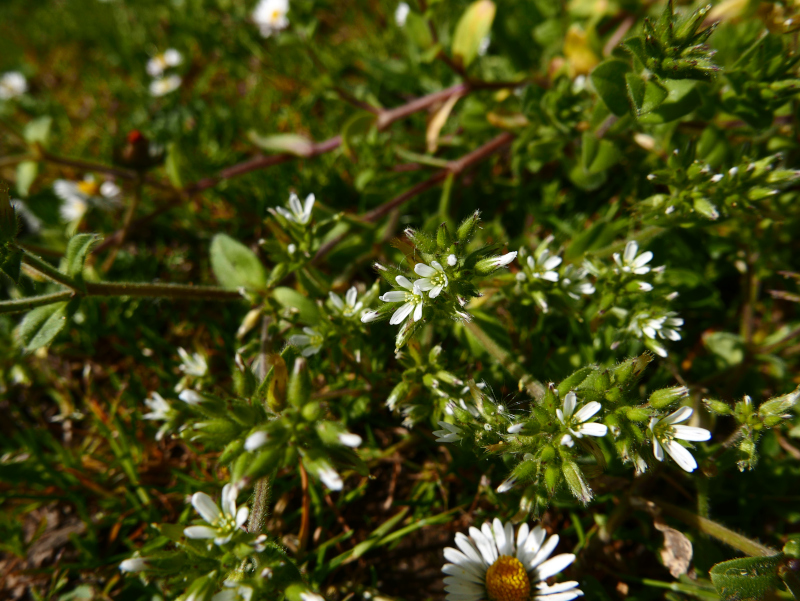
779 406
718 407
576 482
627 372
487 266
264 463
572 381
443 238
397 395
299 384
661 399
312 411
552 476
299 592
792 548
637 414
277 379
8 217
467 228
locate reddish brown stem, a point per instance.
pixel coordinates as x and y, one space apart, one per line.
305 520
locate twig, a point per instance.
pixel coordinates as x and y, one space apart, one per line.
26 304
102 168
160 291
305 519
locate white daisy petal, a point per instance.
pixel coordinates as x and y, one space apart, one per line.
553 566
486 547
545 552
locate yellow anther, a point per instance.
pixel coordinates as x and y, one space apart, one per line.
90 188
507 580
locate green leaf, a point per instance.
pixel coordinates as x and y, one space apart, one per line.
77 250
647 95
472 28
41 325
598 155
236 266
609 81
173 165
292 299
746 577
283 143
26 175
38 130
682 99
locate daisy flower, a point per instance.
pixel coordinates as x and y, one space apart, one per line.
412 300
270 16
298 213
161 86
434 279
12 85
630 262
310 342
577 422
491 565
77 197
161 62
222 524
350 306
666 429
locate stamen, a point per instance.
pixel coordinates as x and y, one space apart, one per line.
507 580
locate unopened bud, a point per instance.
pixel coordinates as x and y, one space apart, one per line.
717 407
661 399
300 383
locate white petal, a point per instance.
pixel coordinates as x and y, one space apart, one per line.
424 284
401 314
241 516
565 596
299 340
311 350
336 300
404 282
485 545
294 204
550 276
551 263
544 589
545 552
593 429
691 433
206 507
522 535
351 296
642 259
134 564
461 572
310 199
570 400
228 500
454 584
418 312
515 428
468 558
631 248
681 456
681 415
587 411
533 543
424 270
255 441
330 478
200 532
553 566
285 214
503 543
393 296
435 291
437 266
657 450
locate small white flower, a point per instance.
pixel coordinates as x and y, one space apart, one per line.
450 433
134 564
575 281
298 213
452 260
350 440
412 301
311 342
351 305
255 441
222 524
541 268
77 197
368 316
503 260
401 14
192 365
12 85
159 408
630 262
577 422
270 16
330 477
161 62
161 86
433 278
665 430
650 328
190 397
492 563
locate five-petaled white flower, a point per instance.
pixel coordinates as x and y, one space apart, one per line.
450 433
650 328
577 422
310 342
161 62
12 85
433 278
491 563
270 16
298 213
76 197
666 429
575 281
351 305
159 410
412 300
541 268
630 263
192 365
222 524
161 86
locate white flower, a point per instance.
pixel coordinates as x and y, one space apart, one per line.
330 477
350 306
664 432
577 422
12 85
161 86
255 441
235 591
630 263
159 408
350 440
503 260
649 328
192 365
541 268
190 397
77 197
433 278
401 14
221 524
161 62
310 342
452 260
412 301
298 213
491 563
270 16
450 433
134 564
575 282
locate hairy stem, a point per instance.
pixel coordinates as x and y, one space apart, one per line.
47 270
26 304
260 509
160 291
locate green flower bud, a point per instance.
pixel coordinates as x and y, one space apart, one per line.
491 264
202 588
277 380
576 482
552 477
398 395
231 451
614 395
263 463
779 406
706 208
433 355
312 411
448 378
718 407
772 420
637 414
548 453
598 381
792 548
443 238
300 383
627 372
572 381
421 240
661 399
467 228
277 274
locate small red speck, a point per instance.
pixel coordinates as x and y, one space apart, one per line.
134 136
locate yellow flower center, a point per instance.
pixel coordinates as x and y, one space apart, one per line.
507 580
89 188
276 14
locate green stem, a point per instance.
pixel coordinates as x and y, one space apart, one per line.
160 291
718 531
14 159
260 509
26 304
535 388
47 270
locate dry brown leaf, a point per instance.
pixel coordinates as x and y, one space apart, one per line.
437 122
677 550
